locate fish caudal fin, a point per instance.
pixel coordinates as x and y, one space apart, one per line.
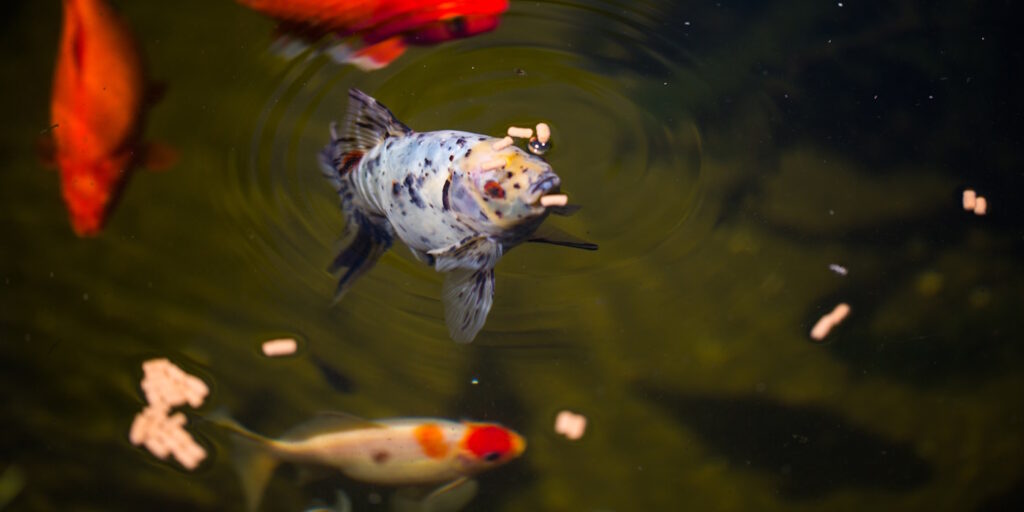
378 55
373 238
467 295
252 456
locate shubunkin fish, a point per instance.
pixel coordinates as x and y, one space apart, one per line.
395 452
454 200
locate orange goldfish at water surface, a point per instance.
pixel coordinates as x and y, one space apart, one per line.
97 111
385 27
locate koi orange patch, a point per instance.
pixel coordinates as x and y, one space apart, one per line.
431 440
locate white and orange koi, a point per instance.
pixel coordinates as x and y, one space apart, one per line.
395 452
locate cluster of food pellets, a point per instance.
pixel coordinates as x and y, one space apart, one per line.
166 386
537 145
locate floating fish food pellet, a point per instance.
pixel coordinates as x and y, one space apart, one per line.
489 165
554 200
166 386
980 206
543 133
519 133
970 197
827 322
570 425
502 144
280 347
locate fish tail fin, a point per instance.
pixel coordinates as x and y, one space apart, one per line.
372 239
377 55
252 456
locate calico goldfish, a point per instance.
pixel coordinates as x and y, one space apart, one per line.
457 202
98 108
373 33
394 452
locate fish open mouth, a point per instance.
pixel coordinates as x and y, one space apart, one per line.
543 186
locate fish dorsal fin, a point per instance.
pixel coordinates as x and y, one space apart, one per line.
548 234
327 422
368 123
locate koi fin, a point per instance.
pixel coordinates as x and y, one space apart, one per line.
159 156
373 238
471 253
467 295
548 234
376 56
328 421
252 455
450 497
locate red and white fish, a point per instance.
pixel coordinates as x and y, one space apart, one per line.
459 200
393 452
100 97
373 33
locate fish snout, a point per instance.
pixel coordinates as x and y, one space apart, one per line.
546 183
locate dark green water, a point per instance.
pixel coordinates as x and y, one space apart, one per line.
726 153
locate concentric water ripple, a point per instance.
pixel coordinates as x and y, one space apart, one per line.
629 155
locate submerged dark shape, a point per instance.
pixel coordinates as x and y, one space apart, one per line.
812 450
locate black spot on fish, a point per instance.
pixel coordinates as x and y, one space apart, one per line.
516 186
424 240
498 213
508 174
396 188
414 196
461 142
468 151
426 162
375 162
444 194
451 158
388 146
419 180
482 138
381 456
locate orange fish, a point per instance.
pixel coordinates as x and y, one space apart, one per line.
373 33
100 96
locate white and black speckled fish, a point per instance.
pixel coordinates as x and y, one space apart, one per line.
433 192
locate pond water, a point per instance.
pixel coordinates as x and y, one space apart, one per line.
725 155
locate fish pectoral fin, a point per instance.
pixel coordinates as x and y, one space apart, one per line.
565 211
327 421
472 253
547 234
450 497
467 295
377 55
159 156
373 238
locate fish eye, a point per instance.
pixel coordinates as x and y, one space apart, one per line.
493 189
491 456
